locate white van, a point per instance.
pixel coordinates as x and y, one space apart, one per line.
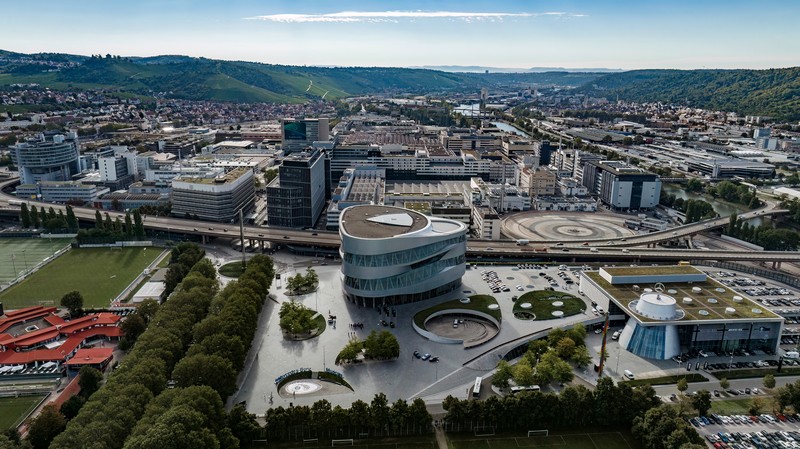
628 374
792 355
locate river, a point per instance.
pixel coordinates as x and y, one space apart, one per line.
509 129
723 209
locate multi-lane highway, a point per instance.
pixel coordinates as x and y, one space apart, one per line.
594 250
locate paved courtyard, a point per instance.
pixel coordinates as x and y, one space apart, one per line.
406 377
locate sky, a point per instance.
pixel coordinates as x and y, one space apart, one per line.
622 34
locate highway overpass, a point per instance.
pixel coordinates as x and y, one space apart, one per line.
605 250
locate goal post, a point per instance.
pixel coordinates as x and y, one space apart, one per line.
342 442
538 433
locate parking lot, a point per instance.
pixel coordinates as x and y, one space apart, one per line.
765 431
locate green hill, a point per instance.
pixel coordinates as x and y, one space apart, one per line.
773 92
178 76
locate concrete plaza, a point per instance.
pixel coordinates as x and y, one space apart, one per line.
406 377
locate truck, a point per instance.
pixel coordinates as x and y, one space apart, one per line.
522 242
14 203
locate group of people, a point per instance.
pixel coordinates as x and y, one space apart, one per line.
357 326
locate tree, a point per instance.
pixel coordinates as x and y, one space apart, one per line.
581 357
756 406
89 380
133 326
72 221
565 348
724 383
36 221
769 381
109 224
682 384
138 225
128 225
72 301
243 425
202 369
98 220
523 373
72 406
702 402
502 375
24 216
45 427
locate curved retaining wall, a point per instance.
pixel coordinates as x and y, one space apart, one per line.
451 341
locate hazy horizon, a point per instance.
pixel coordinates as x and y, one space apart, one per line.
510 34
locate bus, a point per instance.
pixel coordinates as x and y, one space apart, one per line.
476 390
515 390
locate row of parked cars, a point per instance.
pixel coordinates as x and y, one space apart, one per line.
491 278
755 440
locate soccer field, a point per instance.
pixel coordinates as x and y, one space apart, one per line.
100 274
12 410
606 440
18 255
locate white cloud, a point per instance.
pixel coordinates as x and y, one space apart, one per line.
393 16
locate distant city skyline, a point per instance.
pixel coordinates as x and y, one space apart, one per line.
625 34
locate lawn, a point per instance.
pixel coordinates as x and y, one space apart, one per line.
388 443
605 440
100 274
12 410
735 406
232 269
476 302
18 255
542 304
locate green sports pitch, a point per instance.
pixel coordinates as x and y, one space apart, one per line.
19 255
100 274
605 440
13 410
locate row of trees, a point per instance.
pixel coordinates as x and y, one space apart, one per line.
50 220
193 412
765 235
575 407
107 418
735 193
378 418
296 318
302 283
52 420
546 360
221 341
108 230
181 260
378 345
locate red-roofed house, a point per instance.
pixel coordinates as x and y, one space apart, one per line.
52 340
97 358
